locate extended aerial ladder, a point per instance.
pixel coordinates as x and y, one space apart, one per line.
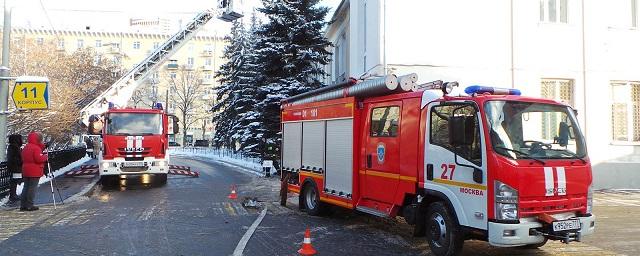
122 90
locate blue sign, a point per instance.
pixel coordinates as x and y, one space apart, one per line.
380 150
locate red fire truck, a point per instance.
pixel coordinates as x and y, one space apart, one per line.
134 142
487 164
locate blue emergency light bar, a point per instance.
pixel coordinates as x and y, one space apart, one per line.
158 105
479 89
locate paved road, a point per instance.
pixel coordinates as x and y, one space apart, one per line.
192 216
188 216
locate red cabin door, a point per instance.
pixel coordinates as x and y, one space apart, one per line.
382 144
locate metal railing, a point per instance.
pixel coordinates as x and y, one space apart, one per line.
57 159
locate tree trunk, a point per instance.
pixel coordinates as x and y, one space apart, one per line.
184 129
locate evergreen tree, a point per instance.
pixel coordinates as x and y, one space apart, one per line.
225 107
292 49
248 129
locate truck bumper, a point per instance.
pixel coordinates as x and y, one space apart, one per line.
527 232
119 166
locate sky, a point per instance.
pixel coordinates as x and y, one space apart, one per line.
113 15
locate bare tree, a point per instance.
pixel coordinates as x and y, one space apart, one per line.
75 79
186 94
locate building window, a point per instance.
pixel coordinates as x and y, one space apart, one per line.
97 59
60 44
98 43
80 43
136 45
190 61
634 13
40 41
207 62
623 13
553 11
172 75
385 121
156 45
625 111
340 59
207 50
558 89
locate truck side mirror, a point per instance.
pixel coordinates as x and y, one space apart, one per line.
175 128
563 134
461 130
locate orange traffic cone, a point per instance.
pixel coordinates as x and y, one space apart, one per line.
307 249
233 194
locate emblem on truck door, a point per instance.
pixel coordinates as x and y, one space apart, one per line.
380 151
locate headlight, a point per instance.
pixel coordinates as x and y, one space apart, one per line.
159 163
590 200
506 200
105 165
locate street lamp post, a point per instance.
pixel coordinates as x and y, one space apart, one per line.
4 84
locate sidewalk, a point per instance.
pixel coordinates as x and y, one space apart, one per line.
68 186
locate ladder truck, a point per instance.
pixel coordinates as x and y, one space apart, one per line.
487 164
135 141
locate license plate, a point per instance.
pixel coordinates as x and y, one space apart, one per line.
564 225
133 164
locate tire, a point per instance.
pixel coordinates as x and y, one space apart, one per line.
534 246
161 179
311 199
110 181
444 234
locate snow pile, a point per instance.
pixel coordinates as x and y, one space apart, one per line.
251 165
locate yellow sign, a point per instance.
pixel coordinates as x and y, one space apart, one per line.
31 93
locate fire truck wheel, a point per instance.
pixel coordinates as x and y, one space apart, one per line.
311 199
443 232
161 179
534 246
109 181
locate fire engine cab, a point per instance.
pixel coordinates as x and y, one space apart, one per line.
486 164
135 142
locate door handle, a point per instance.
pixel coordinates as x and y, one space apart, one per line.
369 160
429 171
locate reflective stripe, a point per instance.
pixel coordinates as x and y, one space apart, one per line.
306 240
129 142
548 181
562 181
138 142
17 176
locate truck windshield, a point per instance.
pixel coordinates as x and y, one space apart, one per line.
134 124
528 130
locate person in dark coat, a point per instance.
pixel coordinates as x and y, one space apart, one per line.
89 143
14 164
33 160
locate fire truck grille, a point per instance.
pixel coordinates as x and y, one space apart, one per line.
536 205
144 152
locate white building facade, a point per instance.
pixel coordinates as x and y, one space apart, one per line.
583 52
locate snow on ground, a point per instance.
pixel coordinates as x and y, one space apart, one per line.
47 179
251 165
